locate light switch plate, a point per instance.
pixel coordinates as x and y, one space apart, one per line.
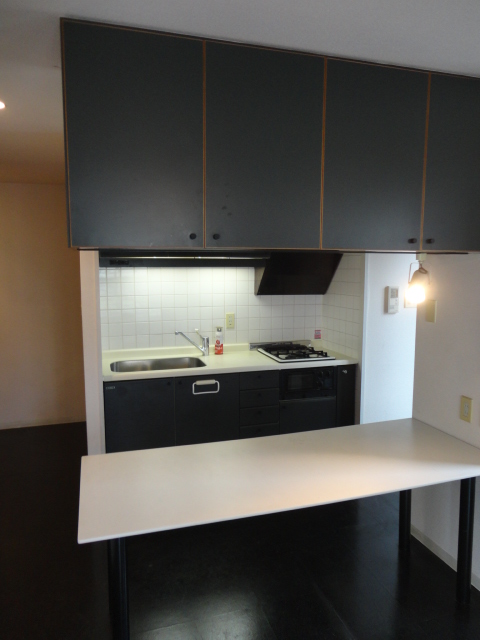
431 310
466 409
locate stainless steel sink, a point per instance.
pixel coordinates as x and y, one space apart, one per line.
159 364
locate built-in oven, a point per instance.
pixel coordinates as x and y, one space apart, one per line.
308 399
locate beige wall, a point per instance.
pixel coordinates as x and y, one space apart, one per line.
41 361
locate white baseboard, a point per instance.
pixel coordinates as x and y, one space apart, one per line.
441 553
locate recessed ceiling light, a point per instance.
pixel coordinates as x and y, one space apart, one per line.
2 105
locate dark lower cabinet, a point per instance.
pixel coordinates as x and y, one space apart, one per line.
307 414
259 398
139 414
206 408
163 412
452 190
345 382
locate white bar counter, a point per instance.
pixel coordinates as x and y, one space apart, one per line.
126 494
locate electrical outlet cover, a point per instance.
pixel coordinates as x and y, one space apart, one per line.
466 409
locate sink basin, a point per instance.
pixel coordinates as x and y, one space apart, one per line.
159 364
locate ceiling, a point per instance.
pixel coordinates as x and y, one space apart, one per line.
429 34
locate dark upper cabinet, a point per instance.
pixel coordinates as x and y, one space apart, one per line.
134 137
263 147
374 153
452 192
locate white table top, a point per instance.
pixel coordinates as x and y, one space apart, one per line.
125 494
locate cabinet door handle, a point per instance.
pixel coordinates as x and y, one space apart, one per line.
193 236
201 383
412 240
216 236
430 241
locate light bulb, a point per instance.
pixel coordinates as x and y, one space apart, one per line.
415 294
2 105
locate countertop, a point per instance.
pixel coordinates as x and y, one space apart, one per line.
236 358
135 492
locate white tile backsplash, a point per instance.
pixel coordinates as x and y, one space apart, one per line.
142 307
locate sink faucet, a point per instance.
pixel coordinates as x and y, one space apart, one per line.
204 347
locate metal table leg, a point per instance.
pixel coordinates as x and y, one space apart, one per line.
405 517
118 592
465 540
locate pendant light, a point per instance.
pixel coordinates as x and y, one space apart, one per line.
418 281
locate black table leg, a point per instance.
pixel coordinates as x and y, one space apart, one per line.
117 584
465 540
405 517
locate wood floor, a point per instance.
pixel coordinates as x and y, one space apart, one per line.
327 573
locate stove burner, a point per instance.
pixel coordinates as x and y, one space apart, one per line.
284 351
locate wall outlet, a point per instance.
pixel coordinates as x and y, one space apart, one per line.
466 409
230 320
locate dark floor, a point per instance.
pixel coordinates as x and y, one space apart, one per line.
327 573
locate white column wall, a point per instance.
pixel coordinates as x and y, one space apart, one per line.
388 353
92 351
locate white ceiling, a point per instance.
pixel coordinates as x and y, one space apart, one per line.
431 34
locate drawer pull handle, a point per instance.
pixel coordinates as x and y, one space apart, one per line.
412 240
202 383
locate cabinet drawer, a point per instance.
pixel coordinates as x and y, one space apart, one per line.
259 430
206 408
258 415
259 397
259 380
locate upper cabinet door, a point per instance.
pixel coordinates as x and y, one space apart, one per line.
374 154
134 137
452 193
264 146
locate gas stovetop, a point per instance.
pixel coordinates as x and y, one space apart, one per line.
293 352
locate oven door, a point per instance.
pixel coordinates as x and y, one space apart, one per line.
308 414
312 382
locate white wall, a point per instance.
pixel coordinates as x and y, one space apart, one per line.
388 353
447 366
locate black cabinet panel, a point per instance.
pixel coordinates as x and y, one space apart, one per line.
259 397
259 431
345 394
307 414
374 150
452 192
259 380
206 412
264 143
139 414
134 128
258 415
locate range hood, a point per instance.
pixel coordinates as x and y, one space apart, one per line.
276 272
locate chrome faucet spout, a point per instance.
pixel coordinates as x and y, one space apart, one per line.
204 347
